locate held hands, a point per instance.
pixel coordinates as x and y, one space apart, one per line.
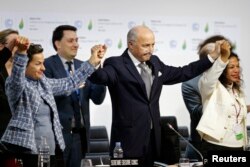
22 44
97 53
219 48
216 52
213 49
225 51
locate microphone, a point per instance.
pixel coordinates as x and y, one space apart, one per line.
195 149
3 148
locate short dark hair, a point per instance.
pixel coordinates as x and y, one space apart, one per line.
33 49
58 33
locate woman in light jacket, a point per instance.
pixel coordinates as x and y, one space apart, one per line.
223 124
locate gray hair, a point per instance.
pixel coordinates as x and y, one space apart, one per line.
132 35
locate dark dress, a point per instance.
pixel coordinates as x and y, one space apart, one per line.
5 113
6 158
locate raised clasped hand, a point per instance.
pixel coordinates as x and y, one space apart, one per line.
225 49
213 49
97 53
22 43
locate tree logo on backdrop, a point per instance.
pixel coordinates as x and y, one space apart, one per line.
184 45
119 44
90 25
206 28
21 24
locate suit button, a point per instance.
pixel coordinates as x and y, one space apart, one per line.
225 127
221 139
229 116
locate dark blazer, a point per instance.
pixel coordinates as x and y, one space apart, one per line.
192 98
131 109
65 104
5 113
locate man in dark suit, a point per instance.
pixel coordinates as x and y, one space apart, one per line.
74 108
135 105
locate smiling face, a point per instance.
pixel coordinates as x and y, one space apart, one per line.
67 47
35 67
233 71
142 46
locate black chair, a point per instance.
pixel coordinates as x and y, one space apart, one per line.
98 145
183 130
170 145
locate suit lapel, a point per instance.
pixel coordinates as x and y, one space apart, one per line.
77 64
134 72
155 73
60 70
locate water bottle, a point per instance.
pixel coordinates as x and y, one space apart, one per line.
118 152
43 153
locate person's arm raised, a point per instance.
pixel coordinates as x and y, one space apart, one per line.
225 51
22 44
97 53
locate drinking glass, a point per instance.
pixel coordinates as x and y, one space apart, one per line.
184 162
247 148
86 163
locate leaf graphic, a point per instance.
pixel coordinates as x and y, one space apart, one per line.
184 45
120 44
21 24
90 25
206 28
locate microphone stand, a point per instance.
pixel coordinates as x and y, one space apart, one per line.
197 151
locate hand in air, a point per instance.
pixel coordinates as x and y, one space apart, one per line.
22 43
225 50
97 53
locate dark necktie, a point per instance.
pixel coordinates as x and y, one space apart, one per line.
146 76
77 120
69 63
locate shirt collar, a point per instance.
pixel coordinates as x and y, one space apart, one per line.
134 60
230 87
64 61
